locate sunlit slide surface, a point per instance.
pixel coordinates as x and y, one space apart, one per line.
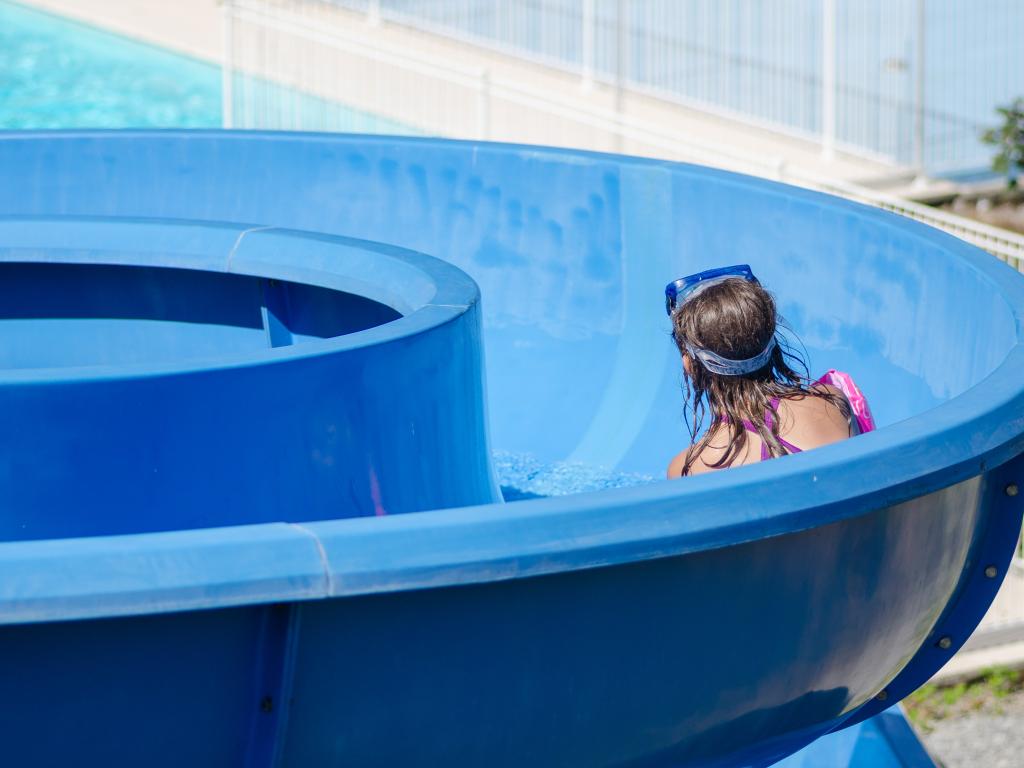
340 450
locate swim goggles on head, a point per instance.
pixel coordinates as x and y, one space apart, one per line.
726 367
676 294
678 291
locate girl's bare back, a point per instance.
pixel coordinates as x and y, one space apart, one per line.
805 421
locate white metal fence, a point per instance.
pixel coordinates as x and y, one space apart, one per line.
913 81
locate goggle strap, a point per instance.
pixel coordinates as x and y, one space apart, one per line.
726 367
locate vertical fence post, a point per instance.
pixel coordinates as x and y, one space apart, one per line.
621 43
919 95
587 35
828 81
227 69
483 106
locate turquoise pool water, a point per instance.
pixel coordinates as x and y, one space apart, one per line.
57 73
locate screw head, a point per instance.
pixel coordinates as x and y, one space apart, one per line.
267 704
945 642
882 695
991 571
1012 489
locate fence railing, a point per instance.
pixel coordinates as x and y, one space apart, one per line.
910 80
1005 245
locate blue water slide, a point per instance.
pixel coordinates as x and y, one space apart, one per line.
251 398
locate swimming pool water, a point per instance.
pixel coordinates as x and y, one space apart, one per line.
57 73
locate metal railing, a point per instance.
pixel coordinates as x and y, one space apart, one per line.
876 76
1005 245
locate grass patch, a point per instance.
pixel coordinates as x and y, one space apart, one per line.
931 703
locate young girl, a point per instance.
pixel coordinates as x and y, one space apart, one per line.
724 324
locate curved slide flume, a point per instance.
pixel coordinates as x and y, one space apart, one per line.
729 618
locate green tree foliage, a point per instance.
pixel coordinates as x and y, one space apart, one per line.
1008 139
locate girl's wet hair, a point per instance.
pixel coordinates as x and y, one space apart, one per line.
737 320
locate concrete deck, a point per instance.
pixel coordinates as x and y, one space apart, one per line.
192 27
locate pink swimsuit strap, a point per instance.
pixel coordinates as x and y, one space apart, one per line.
768 423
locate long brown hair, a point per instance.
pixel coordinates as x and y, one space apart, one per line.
737 319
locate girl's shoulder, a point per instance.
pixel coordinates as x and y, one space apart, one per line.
816 418
697 467
705 459
816 397
675 467
811 393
